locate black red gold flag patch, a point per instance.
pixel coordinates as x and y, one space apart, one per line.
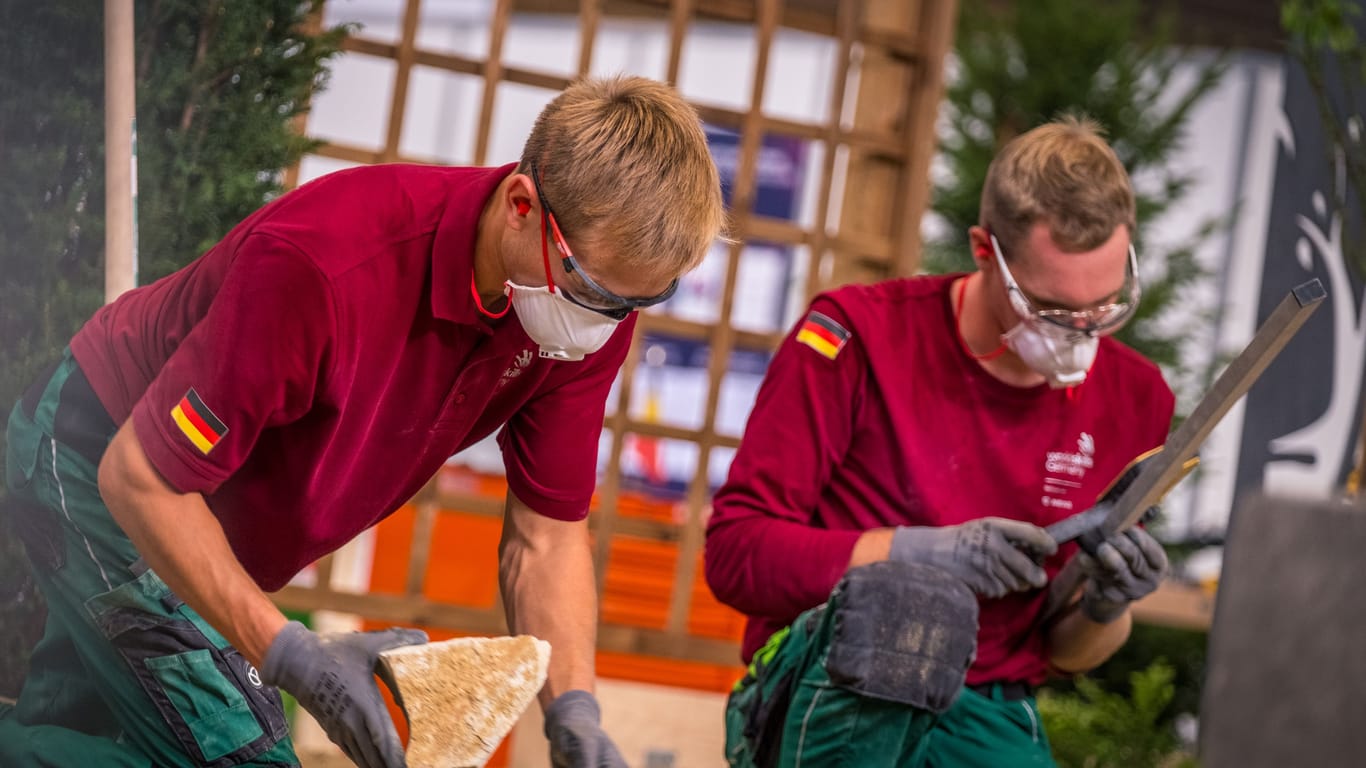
198 422
823 334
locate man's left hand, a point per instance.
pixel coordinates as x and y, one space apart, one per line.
573 723
1126 567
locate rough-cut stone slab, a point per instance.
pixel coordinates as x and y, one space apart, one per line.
462 696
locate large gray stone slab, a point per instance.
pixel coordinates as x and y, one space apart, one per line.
1286 678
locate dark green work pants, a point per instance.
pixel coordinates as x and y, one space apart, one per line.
788 712
125 674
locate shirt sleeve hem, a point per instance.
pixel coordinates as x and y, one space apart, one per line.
166 458
568 510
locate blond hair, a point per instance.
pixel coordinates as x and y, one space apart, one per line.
624 162
1062 173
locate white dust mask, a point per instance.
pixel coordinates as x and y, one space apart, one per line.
1063 357
563 330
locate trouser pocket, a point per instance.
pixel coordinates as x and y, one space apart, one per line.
39 529
755 712
209 696
757 709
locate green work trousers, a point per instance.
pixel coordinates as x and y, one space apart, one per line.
125 674
786 712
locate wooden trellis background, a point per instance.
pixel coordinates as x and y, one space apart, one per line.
878 132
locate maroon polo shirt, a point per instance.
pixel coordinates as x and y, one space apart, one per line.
873 415
311 371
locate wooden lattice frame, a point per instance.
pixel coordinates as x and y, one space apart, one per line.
893 51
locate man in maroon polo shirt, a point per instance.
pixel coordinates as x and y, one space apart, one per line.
208 436
882 522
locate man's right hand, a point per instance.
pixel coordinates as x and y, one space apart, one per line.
988 554
333 677
573 724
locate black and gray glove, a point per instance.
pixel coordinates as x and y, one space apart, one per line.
1127 566
573 724
986 554
333 677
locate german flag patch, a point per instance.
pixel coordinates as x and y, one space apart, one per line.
198 422
823 334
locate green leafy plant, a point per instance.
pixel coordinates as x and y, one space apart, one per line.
219 86
1094 728
1018 65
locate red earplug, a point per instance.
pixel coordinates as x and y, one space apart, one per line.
523 207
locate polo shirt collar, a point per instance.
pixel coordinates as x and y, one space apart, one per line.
453 245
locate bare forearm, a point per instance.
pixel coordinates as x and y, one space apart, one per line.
873 546
1077 644
183 543
546 573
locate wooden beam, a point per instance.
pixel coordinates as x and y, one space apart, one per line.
652 530
680 14
493 72
834 136
887 145
806 15
1177 605
120 178
648 642
323 571
398 102
698 331
604 518
744 189
420 549
407 610
936 23
589 13
312 25
398 609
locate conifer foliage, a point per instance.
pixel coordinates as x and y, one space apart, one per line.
219 88
1017 65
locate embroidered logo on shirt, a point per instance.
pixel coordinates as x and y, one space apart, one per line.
197 422
518 366
1063 472
823 334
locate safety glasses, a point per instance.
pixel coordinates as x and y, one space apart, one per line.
1088 321
603 301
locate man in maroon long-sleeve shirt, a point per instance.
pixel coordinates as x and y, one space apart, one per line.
939 423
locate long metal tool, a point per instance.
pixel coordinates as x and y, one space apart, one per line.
1164 469
1085 526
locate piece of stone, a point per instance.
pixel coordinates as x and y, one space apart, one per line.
1286 667
462 696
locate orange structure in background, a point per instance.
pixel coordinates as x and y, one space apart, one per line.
463 570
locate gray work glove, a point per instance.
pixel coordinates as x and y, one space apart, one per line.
573 726
985 553
333 677
1127 566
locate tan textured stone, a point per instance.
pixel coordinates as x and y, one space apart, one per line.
462 696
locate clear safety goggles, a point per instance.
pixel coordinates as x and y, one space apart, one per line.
1090 321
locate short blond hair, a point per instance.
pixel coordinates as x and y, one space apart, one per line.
1062 173
624 161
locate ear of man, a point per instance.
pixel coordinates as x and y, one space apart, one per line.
979 240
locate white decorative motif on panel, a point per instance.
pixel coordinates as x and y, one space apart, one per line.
1325 440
